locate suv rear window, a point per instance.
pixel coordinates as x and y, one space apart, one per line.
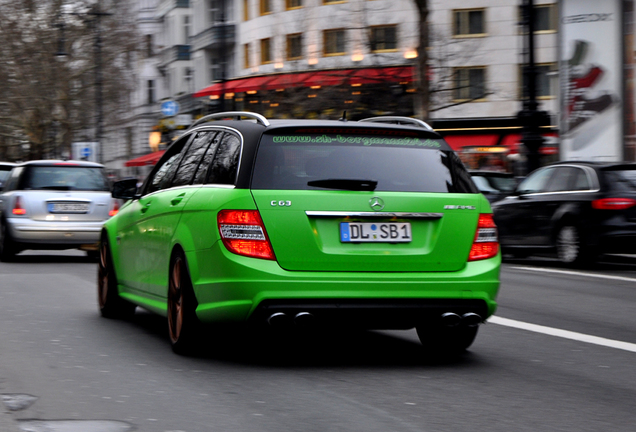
622 179
396 163
64 177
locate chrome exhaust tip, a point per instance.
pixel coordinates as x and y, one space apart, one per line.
304 319
278 319
471 319
450 319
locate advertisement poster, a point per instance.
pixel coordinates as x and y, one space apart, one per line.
591 73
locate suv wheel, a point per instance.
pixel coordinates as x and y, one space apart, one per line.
570 249
110 304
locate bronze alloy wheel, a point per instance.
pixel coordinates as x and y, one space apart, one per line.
111 305
102 275
183 325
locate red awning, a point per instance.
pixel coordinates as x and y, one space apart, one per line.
149 159
458 141
401 74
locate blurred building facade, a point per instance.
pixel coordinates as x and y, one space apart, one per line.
318 58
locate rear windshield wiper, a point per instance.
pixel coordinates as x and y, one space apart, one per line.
345 184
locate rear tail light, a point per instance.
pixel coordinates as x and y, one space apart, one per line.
243 233
486 243
17 207
114 209
613 203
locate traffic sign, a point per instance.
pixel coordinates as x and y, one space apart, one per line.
169 108
86 152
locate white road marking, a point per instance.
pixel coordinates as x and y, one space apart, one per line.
625 346
575 273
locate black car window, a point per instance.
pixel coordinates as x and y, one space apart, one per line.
336 161
191 159
12 182
213 145
536 181
561 179
225 163
623 180
161 176
581 180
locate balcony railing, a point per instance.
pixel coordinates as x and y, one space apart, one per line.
217 34
175 53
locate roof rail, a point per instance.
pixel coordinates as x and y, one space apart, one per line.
398 120
237 114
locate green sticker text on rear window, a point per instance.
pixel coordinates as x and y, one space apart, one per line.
364 140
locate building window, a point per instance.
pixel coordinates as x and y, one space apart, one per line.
469 22
186 29
384 38
216 70
216 11
265 7
247 54
545 83
470 83
266 51
294 46
149 50
545 18
246 10
333 1
334 42
151 91
293 4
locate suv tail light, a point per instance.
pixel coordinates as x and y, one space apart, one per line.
17 207
243 233
613 203
114 208
486 243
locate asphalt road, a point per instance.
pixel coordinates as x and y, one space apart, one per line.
63 368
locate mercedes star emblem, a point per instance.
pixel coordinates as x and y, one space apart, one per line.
376 203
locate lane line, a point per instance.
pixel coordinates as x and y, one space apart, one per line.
581 337
575 273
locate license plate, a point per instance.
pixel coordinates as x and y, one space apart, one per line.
375 232
68 208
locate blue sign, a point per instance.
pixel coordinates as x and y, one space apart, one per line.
86 152
169 108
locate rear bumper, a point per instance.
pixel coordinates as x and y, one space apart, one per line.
29 232
231 288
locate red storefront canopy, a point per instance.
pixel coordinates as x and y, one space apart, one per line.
401 74
149 159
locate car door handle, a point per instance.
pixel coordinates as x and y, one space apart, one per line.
176 200
145 208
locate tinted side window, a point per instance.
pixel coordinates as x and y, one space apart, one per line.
225 163
202 171
560 181
536 182
191 159
161 176
12 182
581 181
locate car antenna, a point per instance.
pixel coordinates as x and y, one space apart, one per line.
344 116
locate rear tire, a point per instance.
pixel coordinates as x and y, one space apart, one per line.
446 341
8 248
183 324
111 305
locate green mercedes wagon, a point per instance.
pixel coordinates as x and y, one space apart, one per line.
371 224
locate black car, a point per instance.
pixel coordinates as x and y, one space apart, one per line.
495 185
578 210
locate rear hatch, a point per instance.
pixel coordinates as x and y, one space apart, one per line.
373 199
65 192
621 195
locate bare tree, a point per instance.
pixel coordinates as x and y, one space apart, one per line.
48 100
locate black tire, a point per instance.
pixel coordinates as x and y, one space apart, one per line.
570 248
446 341
8 248
111 305
183 325
93 255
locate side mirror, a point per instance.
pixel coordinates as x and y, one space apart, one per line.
125 189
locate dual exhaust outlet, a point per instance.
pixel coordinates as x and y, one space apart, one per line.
469 319
281 319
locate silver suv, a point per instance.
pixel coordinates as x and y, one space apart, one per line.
54 204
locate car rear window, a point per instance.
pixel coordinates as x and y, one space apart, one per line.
622 179
64 177
408 163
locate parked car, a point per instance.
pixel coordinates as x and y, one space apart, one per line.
576 210
5 169
287 223
495 185
54 204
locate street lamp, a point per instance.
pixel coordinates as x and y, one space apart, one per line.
93 20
